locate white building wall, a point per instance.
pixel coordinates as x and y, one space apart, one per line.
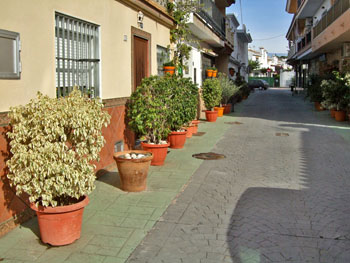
286 78
195 67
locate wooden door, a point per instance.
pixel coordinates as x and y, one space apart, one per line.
141 63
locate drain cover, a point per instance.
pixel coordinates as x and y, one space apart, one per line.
233 122
282 134
209 156
198 134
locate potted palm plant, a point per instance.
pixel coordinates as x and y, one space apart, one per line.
53 143
211 93
148 112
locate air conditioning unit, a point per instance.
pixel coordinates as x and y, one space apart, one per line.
346 50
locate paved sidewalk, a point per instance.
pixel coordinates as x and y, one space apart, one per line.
281 195
115 222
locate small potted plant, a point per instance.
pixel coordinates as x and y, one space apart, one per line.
169 68
215 72
209 72
53 143
211 93
148 112
183 109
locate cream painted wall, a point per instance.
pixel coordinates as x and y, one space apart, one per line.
34 20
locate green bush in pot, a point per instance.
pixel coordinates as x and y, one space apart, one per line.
228 88
53 142
148 109
211 93
314 89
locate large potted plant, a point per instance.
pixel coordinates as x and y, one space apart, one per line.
211 93
183 109
148 112
315 91
335 90
229 89
53 143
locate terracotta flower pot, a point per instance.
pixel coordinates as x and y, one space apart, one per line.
215 72
211 116
209 73
318 106
333 112
340 115
228 108
169 69
133 172
159 152
177 139
60 225
195 128
190 130
220 111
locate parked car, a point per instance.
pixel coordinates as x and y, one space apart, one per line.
257 83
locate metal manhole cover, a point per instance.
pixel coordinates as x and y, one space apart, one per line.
198 134
233 122
209 156
282 134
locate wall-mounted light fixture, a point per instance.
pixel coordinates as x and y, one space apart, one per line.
140 19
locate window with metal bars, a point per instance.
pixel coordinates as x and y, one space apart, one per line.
77 56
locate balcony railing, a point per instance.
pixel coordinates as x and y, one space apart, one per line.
332 14
212 15
305 42
163 3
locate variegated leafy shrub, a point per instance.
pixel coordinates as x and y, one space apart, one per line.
53 143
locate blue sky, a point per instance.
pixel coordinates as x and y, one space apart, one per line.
264 19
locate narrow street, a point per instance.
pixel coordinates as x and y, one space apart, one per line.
282 193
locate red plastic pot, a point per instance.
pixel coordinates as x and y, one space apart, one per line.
169 69
211 116
60 225
318 106
209 73
333 112
220 111
228 108
177 139
195 128
340 115
159 152
190 131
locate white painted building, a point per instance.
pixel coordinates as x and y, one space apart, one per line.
239 57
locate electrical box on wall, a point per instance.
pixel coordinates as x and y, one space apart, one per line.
10 46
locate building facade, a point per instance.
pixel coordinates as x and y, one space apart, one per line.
239 56
318 36
104 47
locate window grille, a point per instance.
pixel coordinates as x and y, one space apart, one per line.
77 56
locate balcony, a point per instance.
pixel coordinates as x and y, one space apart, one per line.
213 17
291 52
339 8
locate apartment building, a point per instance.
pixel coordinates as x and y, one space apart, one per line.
211 30
103 46
239 56
319 37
